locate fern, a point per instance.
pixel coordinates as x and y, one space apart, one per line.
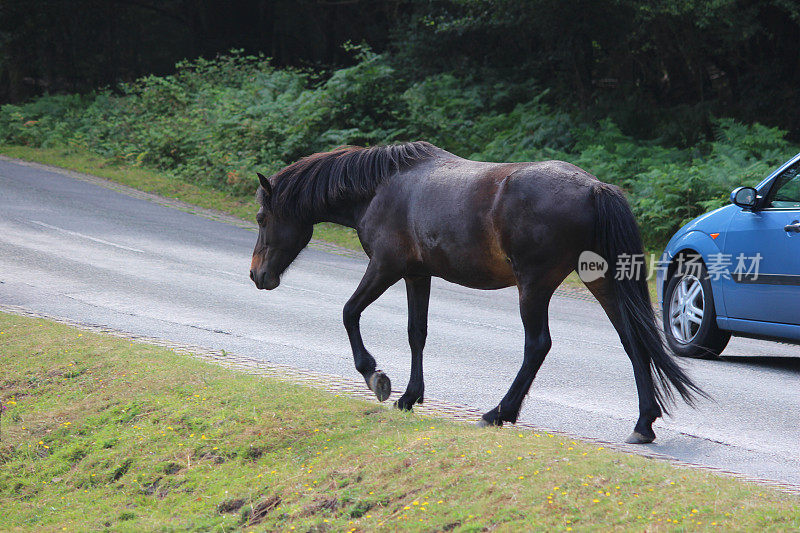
217 121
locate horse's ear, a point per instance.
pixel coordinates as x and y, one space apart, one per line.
265 183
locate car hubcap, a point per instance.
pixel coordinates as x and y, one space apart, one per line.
686 309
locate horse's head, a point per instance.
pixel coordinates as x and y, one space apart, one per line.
279 241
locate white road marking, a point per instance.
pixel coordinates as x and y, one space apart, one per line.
227 273
95 239
302 289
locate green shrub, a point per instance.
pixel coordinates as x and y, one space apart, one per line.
215 122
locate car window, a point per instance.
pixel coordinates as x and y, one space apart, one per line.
786 192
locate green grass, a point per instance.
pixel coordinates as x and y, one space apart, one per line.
104 433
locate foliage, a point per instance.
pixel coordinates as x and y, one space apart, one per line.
634 61
215 122
668 194
659 69
80 45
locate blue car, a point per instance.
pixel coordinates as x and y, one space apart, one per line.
736 270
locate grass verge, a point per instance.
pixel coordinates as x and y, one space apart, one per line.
164 184
100 433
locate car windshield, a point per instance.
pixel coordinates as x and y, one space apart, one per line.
786 193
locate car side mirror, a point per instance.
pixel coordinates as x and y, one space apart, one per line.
744 197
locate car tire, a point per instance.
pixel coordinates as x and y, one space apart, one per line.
690 320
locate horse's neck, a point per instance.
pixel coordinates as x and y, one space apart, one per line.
346 213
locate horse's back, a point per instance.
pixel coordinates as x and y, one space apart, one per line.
467 221
439 214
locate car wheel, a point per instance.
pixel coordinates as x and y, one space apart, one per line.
690 321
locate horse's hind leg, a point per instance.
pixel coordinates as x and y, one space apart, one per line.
533 302
649 410
373 284
418 291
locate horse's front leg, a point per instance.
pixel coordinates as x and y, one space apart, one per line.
419 292
374 283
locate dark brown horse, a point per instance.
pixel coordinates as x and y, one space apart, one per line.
421 211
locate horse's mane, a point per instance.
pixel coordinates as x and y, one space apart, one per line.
315 183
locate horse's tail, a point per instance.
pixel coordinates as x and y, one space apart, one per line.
617 236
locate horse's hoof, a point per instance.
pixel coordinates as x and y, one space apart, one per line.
638 438
402 406
380 384
492 418
407 400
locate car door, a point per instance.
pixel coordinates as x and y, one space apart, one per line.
769 240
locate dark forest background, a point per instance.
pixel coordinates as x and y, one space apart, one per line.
730 58
676 101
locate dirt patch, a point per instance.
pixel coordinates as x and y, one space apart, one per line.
213 457
402 467
6 453
253 452
172 468
121 470
328 504
360 509
344 477
260 510
155 489
230 506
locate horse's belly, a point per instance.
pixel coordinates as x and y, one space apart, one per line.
479 282
478 269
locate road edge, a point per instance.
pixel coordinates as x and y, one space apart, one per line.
205 212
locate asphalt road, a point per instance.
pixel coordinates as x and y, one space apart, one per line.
72 249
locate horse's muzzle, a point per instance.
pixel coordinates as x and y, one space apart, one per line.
264 281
